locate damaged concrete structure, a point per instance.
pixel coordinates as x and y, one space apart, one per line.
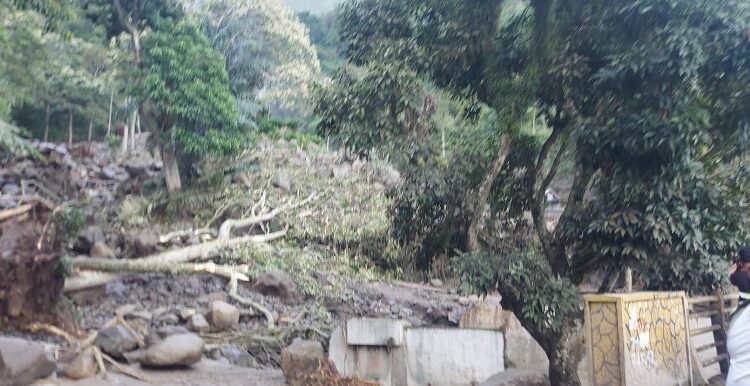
393 353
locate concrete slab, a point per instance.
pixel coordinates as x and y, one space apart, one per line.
375 332
384 365
453 357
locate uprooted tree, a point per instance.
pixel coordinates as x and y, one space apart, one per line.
644 100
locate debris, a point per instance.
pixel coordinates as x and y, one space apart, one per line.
436 283
101 250
223 316
23 362
88 237
174 350
518 377
83 366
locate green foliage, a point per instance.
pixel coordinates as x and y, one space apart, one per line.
186 81
525 281
11 142
66 222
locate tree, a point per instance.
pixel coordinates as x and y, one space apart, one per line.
637 96
187 102
268 52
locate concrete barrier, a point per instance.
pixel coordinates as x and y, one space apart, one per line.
452 356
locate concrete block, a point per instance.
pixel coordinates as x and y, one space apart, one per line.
375 332
386 366
453 357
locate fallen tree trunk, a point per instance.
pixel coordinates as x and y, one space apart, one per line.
183 255
9 213
109 265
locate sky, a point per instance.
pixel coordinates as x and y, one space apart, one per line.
314 6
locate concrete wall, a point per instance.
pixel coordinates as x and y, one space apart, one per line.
416 356
453 357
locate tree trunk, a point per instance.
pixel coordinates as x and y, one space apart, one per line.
132 130
70 127
138 122
46 123
124 145
111 102
171 170
484 192
91 129
565 351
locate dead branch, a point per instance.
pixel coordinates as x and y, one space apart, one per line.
50 329
121 266
226 228
10 213
171 235
34 198
250 303
203 251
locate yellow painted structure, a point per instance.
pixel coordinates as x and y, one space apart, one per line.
638 339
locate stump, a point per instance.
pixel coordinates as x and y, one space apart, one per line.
31 280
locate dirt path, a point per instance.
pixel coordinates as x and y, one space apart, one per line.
205 373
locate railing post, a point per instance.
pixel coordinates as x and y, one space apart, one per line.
720 335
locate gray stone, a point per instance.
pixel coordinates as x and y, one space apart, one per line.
169 319
282 181
101 250
134 356
301 359
144 315
238 357
518 377
11 189
436 283
116 341
452 356
186 313
375 332
125 309
83 366
278 284
161 333
22 362
223 316
198 323
174 351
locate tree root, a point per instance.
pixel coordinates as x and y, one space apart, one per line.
271 323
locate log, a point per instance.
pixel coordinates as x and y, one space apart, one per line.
29 198
120 266
183 255
10 213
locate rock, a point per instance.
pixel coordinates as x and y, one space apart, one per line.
169 319
436 283
101 250
116 341
278 284
518 377
134 356
144 242
159 334
23 362
83 366
186 313
238 357
125 309
174 351
144 315
11 189
301 359
87 237
198 323
282 181
223 316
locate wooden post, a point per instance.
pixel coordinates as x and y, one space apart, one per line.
720 335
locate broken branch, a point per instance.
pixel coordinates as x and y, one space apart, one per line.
250 303
29 198
10 213
108 265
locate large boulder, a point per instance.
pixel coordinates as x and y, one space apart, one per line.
521 350
23 362
518 377
116 341
174 351
278 284
223 316
300 360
